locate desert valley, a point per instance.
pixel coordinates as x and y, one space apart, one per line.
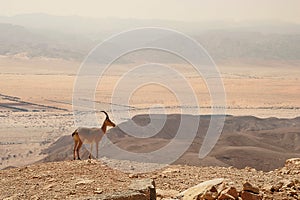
256 156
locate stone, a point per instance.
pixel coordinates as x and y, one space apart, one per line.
166 193
127 195
245 195
267 188
231 192
292 166
221 187
285 171
72 192
292 161
293 193
210 194
250 169
277 187
133 176
290 183
250 188
200 189
143 189
170 170
83 182
226 197
98 191
49 186
144 186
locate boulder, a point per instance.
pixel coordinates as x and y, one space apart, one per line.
145 186
229 193
166 193
210 194
143 189
245 195
204 189
250 188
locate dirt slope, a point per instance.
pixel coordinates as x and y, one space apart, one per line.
89 178
263 144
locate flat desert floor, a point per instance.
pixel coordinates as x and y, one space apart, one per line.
36 99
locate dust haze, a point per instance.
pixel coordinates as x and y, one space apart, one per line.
40 55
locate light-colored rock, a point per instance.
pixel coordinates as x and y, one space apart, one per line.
292 161
83 182
133 176
144 186
98 191
250 188
221 187
49 186
126 195
231 192
250 169
143 189
210 194
166 193
170 170
245 195
15 196
292 166
9 198
267 188
200 189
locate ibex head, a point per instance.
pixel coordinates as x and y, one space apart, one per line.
107 121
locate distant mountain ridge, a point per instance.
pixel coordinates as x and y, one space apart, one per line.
86 25
17 39
72 37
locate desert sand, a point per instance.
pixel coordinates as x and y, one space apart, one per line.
36 99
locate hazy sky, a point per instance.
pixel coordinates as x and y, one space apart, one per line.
187 10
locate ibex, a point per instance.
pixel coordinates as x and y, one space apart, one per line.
90 136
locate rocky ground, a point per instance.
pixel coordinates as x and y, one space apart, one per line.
90 179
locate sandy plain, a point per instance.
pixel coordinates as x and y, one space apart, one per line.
36 99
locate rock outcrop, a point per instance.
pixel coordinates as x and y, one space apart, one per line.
218 189
204 190
93 179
